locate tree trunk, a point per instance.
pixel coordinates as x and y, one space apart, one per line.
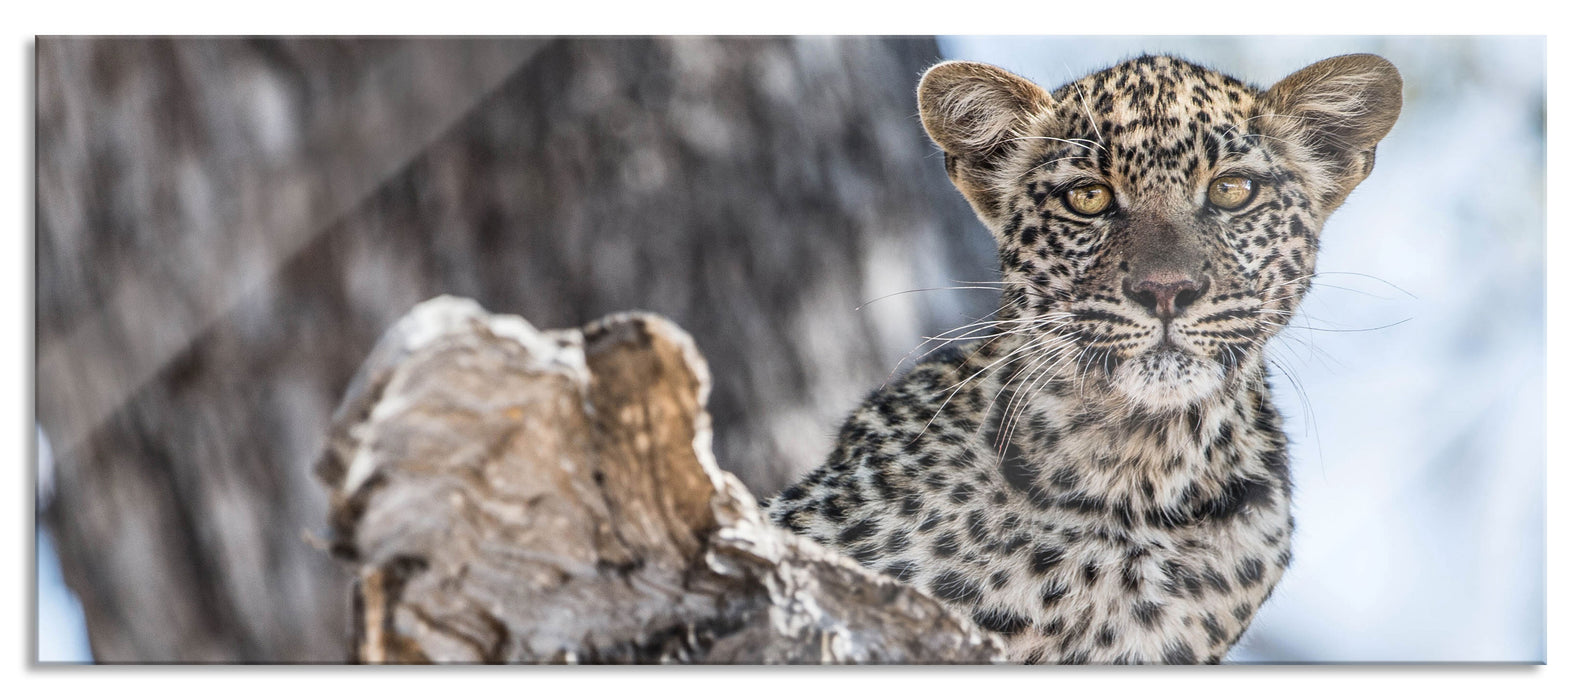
225 226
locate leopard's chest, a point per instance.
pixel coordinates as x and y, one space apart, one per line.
1071 581
1107 545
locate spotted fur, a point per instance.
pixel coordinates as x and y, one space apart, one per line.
1100 475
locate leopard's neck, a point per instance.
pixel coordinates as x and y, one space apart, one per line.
1073 444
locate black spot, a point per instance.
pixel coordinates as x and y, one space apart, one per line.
1216 634
946 546
1109 360
1179 653
1146 613
1229 355
1039 497
1075 657
1238 495
911 505
976 529
1015 542
1222 440
1054 590
799 526
1131 577
795 493
881 485
955 587
1054 627
1029 235
1090 572
1265 417
962 493
1064 478
1213 578
1105 636
1250 572
1191 583
1015 221
897 542
1002 621
833 509
1275 462
1243 612
1123 514
999 579
1082 503
859 531
902 570
1045 558
867 555
932 521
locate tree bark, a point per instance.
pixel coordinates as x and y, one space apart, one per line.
509 495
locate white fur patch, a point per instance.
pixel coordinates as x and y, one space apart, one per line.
1167 379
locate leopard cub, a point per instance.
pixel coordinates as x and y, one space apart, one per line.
1100 476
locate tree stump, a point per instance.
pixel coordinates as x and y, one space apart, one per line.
509 495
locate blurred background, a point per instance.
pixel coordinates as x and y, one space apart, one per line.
225 226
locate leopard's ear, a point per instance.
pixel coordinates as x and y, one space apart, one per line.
972 110
1340 108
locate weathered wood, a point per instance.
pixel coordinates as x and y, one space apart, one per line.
510 495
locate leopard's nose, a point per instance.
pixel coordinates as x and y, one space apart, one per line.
1165 295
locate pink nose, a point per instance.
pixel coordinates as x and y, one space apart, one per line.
1164 295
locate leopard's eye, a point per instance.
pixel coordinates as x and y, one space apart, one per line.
1231 192
1089 200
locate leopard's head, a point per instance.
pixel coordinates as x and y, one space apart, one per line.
1157 222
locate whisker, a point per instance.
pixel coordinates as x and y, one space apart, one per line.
1074 142
1015 411
964 328
1051 162
1350 330
1029 369
924 289
1380 280
1089 109
955 388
